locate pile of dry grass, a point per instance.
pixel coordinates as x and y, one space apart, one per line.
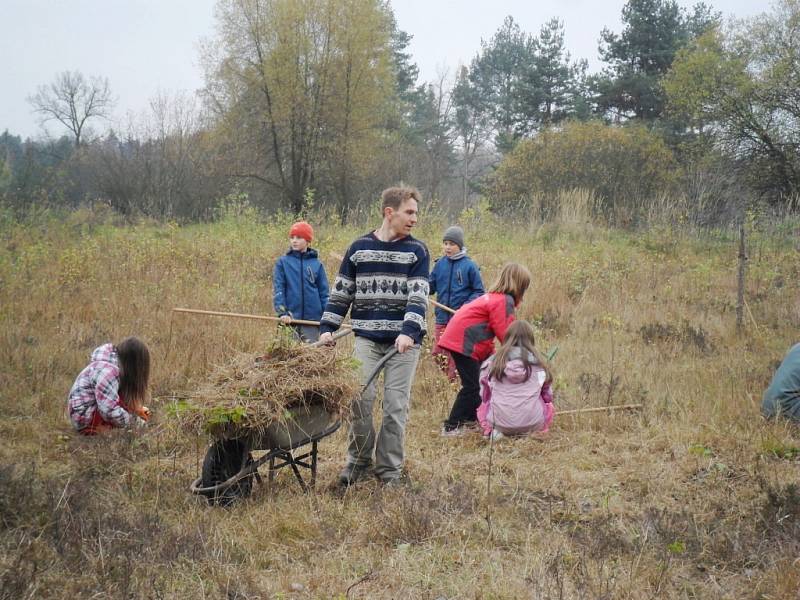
254 391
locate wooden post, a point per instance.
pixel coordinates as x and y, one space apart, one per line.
740 281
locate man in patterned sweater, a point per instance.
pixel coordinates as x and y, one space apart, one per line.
383 281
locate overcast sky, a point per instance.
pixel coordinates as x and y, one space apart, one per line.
147 46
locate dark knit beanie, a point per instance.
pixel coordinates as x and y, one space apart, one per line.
454 234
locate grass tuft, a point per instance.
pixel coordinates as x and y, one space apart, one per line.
693 496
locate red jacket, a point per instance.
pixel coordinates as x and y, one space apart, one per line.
471 331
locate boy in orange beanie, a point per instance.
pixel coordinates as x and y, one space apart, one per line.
299 283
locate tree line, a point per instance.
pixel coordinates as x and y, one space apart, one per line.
316 104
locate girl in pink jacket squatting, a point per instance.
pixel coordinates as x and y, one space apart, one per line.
516 387
111 390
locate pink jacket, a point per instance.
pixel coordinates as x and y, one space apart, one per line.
517 404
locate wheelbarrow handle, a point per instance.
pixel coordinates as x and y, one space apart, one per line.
339 334
378 366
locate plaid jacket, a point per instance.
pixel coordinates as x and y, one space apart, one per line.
97 389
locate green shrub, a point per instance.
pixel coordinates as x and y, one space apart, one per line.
624 169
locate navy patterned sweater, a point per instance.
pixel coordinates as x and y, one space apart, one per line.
385 286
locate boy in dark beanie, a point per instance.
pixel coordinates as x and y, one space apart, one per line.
456 280
454 234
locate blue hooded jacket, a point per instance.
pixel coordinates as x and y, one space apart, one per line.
299 285
782 397
455 280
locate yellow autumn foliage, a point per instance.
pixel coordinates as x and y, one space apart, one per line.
624 168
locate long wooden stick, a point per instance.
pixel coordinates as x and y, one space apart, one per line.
598 409
339 334
216 313
442 306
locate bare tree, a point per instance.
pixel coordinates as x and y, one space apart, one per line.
472 128
438 131
159 164
72 100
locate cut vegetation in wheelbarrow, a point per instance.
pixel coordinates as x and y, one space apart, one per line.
278 401
255 391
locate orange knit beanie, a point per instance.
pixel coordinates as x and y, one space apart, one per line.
303 230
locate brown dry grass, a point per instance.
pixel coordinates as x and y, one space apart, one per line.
693 497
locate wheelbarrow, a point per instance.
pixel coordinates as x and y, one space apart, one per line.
229 467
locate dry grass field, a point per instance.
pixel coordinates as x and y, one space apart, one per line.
695 496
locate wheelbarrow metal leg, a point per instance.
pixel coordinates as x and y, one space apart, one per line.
314 463
300 479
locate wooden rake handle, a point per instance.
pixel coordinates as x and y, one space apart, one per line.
216 313
598 409
339 334
442 306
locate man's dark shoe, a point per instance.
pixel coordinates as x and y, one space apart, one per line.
395 482
353 473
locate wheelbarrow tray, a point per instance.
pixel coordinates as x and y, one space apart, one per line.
303 422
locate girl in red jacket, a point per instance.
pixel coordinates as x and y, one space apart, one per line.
470 338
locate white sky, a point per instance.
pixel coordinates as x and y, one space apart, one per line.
147 46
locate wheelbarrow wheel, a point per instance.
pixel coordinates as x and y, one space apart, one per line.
223 460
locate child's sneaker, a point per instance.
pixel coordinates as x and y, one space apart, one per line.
460 430
494 436
452 433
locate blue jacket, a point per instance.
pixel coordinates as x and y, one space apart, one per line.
782 397
455 281
299 285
